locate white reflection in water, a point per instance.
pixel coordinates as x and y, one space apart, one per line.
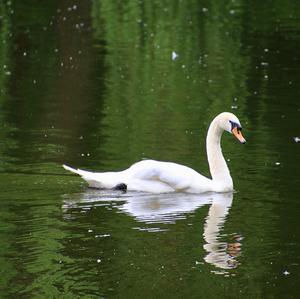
169 208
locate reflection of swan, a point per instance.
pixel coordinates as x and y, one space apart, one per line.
220 254
158 177
167 208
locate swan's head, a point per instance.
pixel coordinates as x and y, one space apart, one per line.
230 123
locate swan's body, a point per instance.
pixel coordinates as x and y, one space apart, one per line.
161 177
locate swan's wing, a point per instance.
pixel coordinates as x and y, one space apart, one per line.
176 176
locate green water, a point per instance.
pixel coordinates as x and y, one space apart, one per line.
96 84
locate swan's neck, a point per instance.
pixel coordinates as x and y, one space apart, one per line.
217 164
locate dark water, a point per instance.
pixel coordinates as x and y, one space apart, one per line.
95 84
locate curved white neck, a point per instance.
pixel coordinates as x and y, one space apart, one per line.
217 164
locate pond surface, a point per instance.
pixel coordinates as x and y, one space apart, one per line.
103 84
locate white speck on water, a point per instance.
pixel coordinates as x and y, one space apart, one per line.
286 273
55 50
90 231
266 50
296 139
232 11
34 81
24 54
183 66
277 163
204 9
74 7
8 73
102 236
266 76
98 261
234 107
174 55
82 155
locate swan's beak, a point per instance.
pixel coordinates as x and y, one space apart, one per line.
238 134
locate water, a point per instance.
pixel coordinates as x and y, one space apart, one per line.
97 85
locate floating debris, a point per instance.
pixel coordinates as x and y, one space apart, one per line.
286 273
102 236
296 139
174 55
277 163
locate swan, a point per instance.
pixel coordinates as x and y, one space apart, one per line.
163 177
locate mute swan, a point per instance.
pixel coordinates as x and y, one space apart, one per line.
161 177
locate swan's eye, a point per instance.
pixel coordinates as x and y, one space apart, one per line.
235 125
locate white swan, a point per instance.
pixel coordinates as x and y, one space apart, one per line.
161 177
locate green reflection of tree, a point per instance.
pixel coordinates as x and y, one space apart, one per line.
6 128
156 100
8 269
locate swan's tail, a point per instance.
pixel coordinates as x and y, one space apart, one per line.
106 180
77 171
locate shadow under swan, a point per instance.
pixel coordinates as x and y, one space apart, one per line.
168 208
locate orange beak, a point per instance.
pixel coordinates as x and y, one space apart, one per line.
238 134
